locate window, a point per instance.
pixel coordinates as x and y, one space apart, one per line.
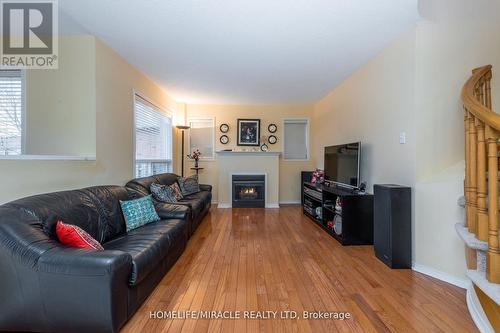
11 112
296 139
153 139
202 136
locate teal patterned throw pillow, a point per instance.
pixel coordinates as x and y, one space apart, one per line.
139 212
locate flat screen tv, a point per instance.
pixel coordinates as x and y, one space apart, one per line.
342 164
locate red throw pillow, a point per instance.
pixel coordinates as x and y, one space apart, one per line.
73 236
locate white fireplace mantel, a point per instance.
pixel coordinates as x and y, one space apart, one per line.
250 153
251 163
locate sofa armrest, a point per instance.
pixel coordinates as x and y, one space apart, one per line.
168 211
83 262
206 187
84 290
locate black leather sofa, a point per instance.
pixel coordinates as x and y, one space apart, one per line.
199 203
48 287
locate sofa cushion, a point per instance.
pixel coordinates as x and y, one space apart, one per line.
189 185
177 191
107 200
162 193
204 196
141 185
139 212
197 202
49 226
168 211
166 178
75 206
148 245
73 236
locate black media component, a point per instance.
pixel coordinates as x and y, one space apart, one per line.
392 225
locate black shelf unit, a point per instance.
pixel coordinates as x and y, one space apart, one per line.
343 214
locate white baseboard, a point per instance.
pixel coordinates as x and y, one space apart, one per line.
272 205
476 311
456 281
291 202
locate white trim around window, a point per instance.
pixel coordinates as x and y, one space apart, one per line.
211 122
165 112
304 121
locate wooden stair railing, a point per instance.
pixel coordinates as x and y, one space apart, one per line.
482 133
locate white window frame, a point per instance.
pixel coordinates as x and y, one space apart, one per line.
24 134
23 111
292 120
208 119
23 116
165 111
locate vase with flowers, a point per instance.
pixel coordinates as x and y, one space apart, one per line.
195 156
318 177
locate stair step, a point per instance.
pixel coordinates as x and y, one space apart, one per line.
470 239
492 290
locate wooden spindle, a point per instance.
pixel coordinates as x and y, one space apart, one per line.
472 176
480 92
467 169
482 213
493 255
487 91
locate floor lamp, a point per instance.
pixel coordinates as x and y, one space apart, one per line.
182 128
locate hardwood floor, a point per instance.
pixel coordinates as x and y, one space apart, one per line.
277 260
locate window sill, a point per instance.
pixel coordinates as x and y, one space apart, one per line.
46 158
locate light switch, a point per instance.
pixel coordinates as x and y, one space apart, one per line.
402 138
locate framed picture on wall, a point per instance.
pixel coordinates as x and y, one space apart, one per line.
248 132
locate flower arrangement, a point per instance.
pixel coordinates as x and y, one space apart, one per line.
195 155
318 177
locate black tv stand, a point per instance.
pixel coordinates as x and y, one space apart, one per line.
344 214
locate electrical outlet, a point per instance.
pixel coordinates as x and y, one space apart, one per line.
402 138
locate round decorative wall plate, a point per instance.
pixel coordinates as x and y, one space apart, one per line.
264 147
272 139
224 128
272 128
224 139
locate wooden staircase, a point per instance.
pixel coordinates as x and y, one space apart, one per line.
480 230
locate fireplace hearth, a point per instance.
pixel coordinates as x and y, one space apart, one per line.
249 191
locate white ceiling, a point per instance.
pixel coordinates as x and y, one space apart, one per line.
245 51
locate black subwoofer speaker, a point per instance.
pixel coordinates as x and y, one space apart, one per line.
392 225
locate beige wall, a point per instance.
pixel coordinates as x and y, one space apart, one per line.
267 165
373 106
115 82
289 170
60 104
449 46
414 85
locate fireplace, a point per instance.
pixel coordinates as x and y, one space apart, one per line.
249 191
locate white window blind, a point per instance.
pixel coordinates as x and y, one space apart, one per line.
153 139
11 112
296 139
201 136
